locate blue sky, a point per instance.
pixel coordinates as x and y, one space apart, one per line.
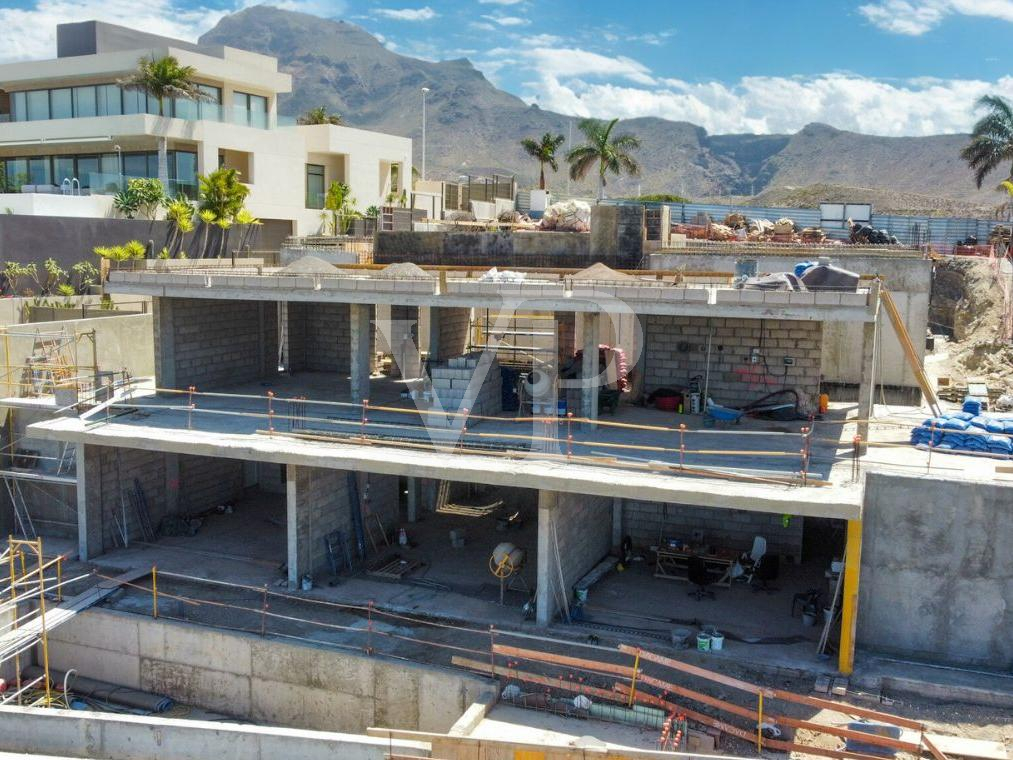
895 67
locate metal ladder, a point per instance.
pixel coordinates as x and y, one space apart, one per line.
21 516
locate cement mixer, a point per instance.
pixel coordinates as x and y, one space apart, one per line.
505 564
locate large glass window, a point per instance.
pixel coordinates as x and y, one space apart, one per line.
38 105
84 101
211 109
109 99
19 109
86 167
63 168
135 165
314 186
39 171
17 173
61 105
250 109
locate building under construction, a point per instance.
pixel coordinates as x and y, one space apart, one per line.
584 453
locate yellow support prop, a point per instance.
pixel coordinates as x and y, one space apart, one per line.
849 608
154 591
633 682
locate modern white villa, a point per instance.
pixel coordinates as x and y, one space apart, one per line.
70 136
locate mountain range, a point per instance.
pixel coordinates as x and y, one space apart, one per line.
475 128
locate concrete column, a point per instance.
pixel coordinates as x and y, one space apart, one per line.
589 381
412 502
89 502
292 526
866 389
165 343
172 484
360 327
546 590
284 360
617 522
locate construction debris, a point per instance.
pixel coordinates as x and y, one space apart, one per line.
567 216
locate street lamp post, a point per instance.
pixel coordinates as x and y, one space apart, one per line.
119 166
425 91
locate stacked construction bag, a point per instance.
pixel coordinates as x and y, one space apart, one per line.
966 431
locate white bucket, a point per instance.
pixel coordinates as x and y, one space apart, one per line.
717 642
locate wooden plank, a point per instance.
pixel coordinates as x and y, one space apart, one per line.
958 745
558 659
788 696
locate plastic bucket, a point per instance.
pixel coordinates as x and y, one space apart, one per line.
717 642
703 642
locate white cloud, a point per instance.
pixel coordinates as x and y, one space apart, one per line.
425 13
574 62
30 33
916 17
778 104
508 20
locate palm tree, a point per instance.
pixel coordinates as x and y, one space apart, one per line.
543 152
164 78
991 139
319 115
611 153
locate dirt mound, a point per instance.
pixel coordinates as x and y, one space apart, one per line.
309 265
404 270
978 348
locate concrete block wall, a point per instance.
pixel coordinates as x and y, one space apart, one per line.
452 325
397 333
584 532
262 680
617 235
323 505
734 380
320 337
211 343
206 482
458 385
645 521
937 570
109 474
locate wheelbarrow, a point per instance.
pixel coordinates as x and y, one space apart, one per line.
723 413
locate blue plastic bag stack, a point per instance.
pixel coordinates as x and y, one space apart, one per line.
968 430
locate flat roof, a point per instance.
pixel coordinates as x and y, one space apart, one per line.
537 291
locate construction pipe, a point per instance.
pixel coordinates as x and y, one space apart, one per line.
102 691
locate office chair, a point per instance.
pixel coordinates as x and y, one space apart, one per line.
700 578
750 560
767 569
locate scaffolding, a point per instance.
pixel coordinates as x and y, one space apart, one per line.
24 602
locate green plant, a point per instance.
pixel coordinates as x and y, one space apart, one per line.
150 194
133 249
179 214
319 115
164 79
85 275
222 193
612 154
341 204
544 152
991 138
51 276
14 273
372 212
248 224
126 203
66 290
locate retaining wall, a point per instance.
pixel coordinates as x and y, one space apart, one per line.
502 249
583 532
937 570
676 350
260 679
62 733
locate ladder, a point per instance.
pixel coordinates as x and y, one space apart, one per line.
68 459
47 367
21 516
909 350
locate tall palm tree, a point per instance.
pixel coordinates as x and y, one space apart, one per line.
611 153
319 115
164 78
544 152
991 139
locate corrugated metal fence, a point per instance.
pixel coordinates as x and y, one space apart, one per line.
910 230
